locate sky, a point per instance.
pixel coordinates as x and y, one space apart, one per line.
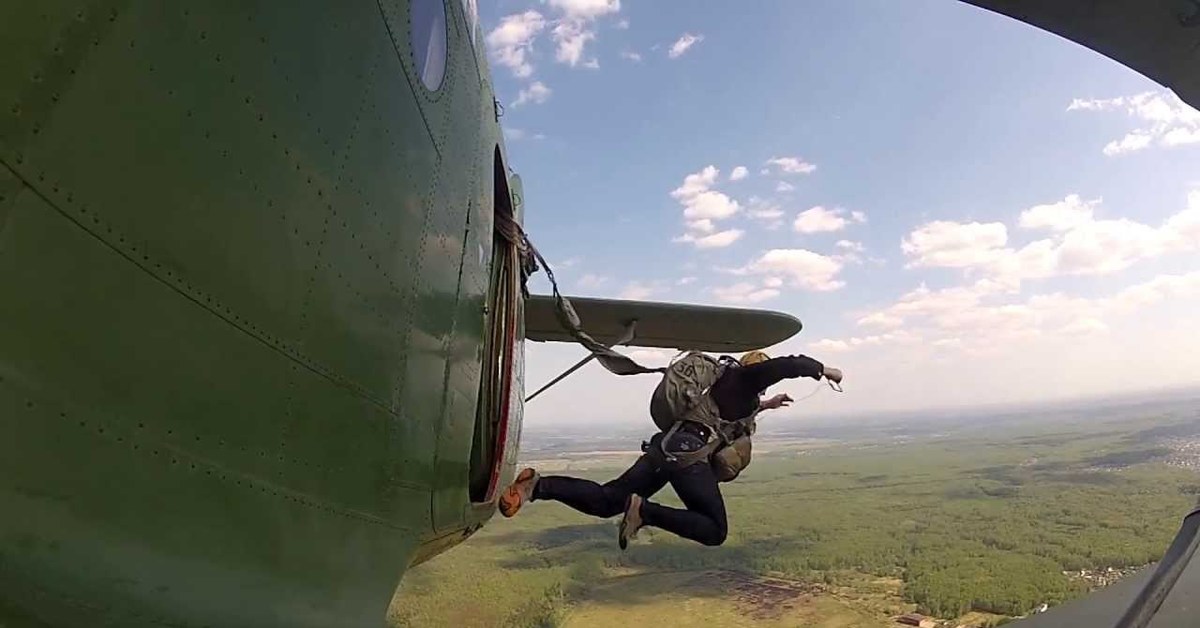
960 208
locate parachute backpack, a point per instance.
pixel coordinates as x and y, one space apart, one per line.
683 395
683 392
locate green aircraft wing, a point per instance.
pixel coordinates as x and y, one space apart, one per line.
663 325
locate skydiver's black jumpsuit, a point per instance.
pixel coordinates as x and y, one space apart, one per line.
736 394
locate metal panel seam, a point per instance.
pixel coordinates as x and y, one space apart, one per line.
293 355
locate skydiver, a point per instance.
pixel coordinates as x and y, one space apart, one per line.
737 394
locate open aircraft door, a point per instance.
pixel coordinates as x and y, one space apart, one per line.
481 412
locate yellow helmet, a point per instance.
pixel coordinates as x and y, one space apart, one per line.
753 357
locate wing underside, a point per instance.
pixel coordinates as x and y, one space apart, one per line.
663 325
1158 38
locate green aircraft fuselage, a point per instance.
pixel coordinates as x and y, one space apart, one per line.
246 251
260 342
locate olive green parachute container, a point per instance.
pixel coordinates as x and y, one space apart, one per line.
683 395
683 392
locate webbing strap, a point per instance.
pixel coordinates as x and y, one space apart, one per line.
614 361
684 459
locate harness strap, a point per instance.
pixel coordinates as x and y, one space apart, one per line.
688 458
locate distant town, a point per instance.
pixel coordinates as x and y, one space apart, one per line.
1100 578
1185 452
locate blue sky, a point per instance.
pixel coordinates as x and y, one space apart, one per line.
961 208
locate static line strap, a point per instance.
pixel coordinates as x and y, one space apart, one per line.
627 336
815 391
614 361
818 388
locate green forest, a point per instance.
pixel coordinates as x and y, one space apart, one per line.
963 523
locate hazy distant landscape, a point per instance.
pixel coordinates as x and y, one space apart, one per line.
971 519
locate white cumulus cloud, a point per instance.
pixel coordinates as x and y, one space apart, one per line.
711 241
989 315
576 28
703 207
745 293
1162 118
829 345
636 291
536 93
696 183
766 212
571 35
1084 326
710 204
792 165
769 212
586 9
833 345
950 244
1132 142
572 28
820 220
592 281
804 269
681 45
1064 215
881 320
511 42
739 173
1079 243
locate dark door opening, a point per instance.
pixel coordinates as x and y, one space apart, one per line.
495 382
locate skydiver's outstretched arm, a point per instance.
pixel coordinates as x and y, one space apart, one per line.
736 392
767 373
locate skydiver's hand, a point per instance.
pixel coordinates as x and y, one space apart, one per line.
778 401
833 374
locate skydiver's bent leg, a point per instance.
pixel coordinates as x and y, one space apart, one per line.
704 520
644 478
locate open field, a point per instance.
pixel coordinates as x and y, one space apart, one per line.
967 522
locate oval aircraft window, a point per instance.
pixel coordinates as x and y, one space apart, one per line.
429 40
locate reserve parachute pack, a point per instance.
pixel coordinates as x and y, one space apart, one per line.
682 394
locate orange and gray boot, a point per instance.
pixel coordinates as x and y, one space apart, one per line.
519 492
